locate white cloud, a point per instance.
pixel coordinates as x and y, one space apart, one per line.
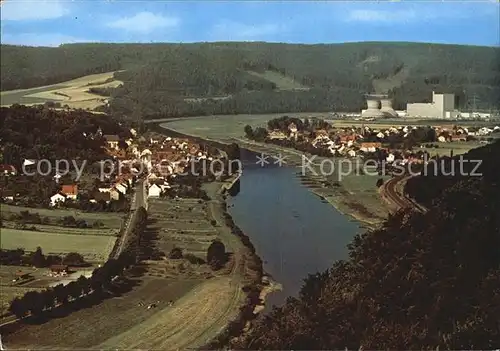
419 12
229 30
18 10
46 39
144 22
381 16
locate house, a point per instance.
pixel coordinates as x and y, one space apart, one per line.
7 170
112 141
27 162
121 187
351 153
292 127
277 135
113 193
59 268
321 132
347 138
70 191
370 147
458 137
57 199
20 275
8 195
154 191
145 154
101 196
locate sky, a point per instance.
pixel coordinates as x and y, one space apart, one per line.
53 22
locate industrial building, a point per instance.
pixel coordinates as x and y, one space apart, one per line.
442 106
379 106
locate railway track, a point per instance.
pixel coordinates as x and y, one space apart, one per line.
390 193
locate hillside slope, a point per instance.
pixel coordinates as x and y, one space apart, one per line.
160 77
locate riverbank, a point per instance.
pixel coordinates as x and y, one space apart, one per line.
247 269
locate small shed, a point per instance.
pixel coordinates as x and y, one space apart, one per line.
59 268
22 275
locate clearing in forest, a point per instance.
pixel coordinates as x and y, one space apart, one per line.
282 82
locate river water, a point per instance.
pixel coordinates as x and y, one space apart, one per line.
294 232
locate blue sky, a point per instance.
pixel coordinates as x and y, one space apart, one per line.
52 22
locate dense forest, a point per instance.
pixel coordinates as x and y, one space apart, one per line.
162 80
421 281
43 133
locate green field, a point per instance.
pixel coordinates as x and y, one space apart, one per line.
282 82
66 230
93 247
21 96
458 148
224 127
110 220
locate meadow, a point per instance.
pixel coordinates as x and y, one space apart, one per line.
282 82
73 93
109 220
65 230
183 224
93 248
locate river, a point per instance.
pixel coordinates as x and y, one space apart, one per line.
294 231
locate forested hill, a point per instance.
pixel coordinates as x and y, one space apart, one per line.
423 281
211 78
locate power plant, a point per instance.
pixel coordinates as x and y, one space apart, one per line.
379 106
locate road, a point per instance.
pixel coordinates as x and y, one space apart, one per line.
138 200
391 194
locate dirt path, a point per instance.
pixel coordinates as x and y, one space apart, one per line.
189 323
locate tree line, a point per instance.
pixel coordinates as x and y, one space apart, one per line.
35 303
18 257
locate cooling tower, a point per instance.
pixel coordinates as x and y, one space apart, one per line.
373 110
387 108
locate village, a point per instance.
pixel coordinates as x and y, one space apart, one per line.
78 219
400 142
160 159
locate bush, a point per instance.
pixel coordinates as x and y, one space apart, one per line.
380 182
216 255
175 253
74 259
194 259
